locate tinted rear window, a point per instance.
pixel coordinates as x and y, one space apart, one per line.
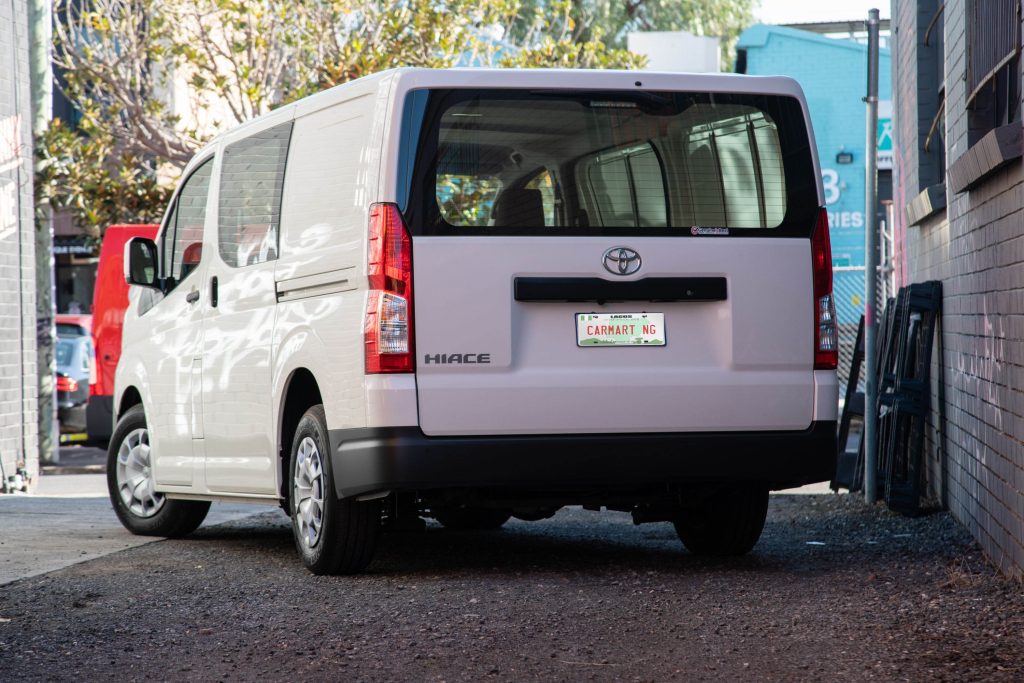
71 330
64 351
504 162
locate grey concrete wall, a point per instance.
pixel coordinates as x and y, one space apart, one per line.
18 430
976 248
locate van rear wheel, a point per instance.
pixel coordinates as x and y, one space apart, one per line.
141 509
727 523
333 536
467 518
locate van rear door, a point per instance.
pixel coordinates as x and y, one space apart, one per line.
598 262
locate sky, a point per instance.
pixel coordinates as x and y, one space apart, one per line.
803 11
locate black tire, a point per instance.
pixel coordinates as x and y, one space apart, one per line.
467 518
348 529
170 518
727 523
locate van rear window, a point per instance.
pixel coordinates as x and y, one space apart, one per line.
513 162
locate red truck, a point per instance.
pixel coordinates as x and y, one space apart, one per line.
110 299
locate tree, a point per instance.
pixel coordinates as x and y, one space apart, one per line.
85 173
125 62
609 21
616 18
723 18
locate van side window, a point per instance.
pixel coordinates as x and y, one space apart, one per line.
251 185
736 164
182 237
544 183
628 187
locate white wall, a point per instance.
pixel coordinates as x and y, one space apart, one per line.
18 381
676 51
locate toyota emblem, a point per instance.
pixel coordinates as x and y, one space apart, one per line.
621 261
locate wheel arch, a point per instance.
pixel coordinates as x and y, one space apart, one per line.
302 392
130 397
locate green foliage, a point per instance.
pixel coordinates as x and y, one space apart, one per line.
609 21
85 173
426 33
590 54
115 65
723 18
231 60
467 200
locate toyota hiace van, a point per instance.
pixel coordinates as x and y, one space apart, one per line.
474 294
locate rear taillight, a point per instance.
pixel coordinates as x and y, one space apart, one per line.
65 383
388 326
826 347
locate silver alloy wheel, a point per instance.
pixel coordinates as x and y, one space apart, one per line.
135 475
308 492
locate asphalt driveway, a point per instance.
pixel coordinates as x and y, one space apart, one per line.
833 591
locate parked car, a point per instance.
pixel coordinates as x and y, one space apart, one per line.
473 294
74 360
73 324
110 298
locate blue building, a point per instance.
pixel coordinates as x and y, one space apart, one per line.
833 74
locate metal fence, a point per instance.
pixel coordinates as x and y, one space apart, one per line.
848 290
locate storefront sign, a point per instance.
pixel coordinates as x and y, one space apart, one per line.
884 154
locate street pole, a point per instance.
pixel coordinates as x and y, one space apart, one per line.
41 84
871 270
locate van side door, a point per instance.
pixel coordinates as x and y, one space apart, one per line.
175 325
240 437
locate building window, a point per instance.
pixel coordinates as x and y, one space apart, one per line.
993 86
932 74
993 65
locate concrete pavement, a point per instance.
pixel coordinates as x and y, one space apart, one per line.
78 459
69 519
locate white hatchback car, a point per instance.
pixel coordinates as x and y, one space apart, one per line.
477 294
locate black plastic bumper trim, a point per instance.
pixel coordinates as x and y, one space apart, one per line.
541 289
405 459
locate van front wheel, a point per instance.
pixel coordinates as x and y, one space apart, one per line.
333 536
141 509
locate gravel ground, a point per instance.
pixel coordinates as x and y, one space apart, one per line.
834 590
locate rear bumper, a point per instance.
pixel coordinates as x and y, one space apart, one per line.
404 459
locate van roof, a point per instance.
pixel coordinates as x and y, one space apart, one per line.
598 79
412 78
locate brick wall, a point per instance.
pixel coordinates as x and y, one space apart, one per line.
976 248
18 430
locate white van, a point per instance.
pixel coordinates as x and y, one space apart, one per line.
477 294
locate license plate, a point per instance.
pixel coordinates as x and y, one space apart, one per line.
620 329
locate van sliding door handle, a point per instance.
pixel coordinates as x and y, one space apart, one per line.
213 291
192 296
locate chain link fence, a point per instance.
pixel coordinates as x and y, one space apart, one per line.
848 290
